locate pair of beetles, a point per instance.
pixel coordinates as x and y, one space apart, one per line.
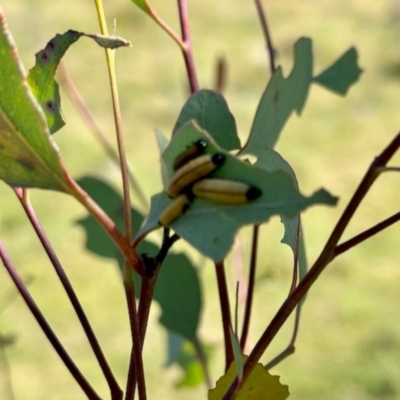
190 180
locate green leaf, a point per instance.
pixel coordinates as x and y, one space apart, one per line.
41 77
182 353
210 110
97 240
142 4
175 343
271 160
211 227
179 295
341 74
162 145
260 385
28 156
281 97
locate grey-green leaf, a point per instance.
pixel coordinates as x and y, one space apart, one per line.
343 73
281 97
97 240
211 227
210 110
178 293
271 160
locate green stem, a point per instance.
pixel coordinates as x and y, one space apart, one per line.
110 57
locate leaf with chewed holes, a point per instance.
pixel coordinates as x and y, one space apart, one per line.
270 160
211 227
281 98
28 156
343 73
41 76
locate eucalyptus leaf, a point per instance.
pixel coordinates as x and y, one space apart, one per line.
97 240
343 73
28 156
179 295
281 98
41 77
271 160
210 110
211 227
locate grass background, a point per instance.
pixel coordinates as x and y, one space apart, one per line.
349 341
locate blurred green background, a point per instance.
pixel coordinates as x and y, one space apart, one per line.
349 341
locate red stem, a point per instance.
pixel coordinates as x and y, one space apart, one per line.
225 312
188 51
267 36
250 290
327 256
116 392
341 248
41 320
136 371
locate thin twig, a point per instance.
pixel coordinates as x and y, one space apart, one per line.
290 349
341 248
220 75
135 371
267 36
295 260
152 13
250 290
146 295
110 56
225 312
41 320
149 284
187 50
82 109
326 257
116 392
